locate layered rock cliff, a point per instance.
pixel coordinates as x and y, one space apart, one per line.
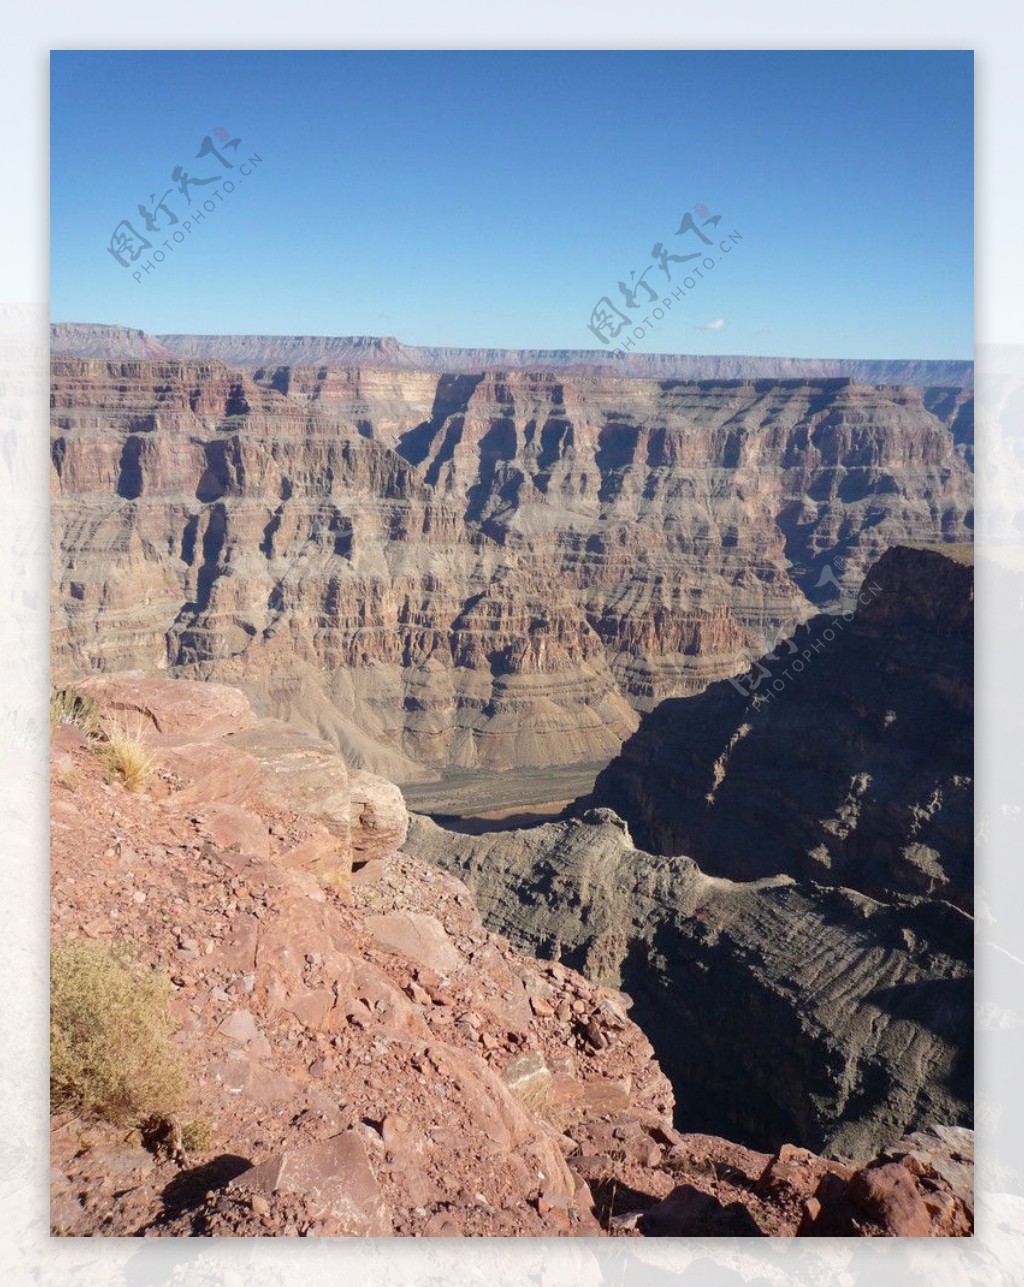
804 971
210 526
463 572
845 758
780 1011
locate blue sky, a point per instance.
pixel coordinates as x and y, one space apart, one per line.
492 198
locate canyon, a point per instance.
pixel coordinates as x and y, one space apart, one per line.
743 781
91 339
447 574
726 989
795 919
364 1056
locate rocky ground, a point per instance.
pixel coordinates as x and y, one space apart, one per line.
365 1056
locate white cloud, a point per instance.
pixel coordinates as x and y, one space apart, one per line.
717 325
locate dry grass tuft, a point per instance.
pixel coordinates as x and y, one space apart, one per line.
125 756
68 706
111 1050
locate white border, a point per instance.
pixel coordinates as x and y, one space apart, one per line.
997 1255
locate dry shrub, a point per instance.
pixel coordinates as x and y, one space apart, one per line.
68 706
126 756
111 1049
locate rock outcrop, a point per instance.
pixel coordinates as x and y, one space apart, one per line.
472 572
356 1046
846 758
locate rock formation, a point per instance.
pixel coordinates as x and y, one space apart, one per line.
366 352
206 525
472 572
780 1012
365 1058
357 1040
846 758
824 805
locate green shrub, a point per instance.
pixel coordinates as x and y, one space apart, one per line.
111 1049
197 1136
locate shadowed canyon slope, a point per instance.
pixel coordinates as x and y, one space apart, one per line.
849 763
473 571
779 1011
810 979
362 1057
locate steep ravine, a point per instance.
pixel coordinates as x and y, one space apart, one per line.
810 980
360 1055
780 1012
845 758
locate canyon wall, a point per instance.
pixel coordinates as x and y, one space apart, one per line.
794 916
459 573
779 1011
361 1057
846 758
204 525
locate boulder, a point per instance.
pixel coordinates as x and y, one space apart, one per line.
182 708
334 1178
379 818
418 937
879 1201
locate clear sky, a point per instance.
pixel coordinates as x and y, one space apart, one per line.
492 198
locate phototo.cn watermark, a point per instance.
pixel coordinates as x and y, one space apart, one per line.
763 684
608 320
128 246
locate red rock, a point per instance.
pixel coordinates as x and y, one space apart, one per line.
879 1200
417 937
179 708
379 818
888 1197
240 1026
231 825
334 1177
253 1081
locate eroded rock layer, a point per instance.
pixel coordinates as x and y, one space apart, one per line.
361 1057
779 1011
810 979
89 339
473 571
206 525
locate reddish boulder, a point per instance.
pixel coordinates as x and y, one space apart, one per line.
879 1201
335 1180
